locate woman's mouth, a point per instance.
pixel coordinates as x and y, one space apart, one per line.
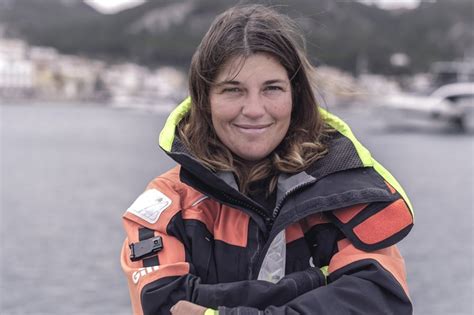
252 128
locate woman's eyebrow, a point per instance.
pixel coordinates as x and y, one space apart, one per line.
234 82
268 82
229 82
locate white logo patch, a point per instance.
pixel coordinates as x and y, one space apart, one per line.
150 205
143 272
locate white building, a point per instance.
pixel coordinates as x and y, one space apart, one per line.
40 54
16 72
125 82
77 77
165 83
13 48
43 73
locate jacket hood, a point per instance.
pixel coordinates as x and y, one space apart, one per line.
345 152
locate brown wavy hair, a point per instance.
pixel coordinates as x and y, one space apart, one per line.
240 32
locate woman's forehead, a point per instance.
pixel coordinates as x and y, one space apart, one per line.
240 68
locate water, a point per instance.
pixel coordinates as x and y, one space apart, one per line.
69 172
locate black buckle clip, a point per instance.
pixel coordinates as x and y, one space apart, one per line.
145 248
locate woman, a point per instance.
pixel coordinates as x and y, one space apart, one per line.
274 206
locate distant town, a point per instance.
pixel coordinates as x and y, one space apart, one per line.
42 74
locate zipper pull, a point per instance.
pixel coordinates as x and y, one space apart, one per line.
269 223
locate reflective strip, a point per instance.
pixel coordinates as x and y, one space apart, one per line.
343 128
394 183
167 133
274 263
325 271
210 311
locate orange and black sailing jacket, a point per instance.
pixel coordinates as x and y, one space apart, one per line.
193 236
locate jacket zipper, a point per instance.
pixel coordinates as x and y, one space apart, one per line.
267 219
277 209
275 213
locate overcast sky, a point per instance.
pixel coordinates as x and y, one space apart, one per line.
108 6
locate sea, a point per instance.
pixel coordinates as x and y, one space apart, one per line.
69 171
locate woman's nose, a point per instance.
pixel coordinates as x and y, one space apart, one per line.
253 107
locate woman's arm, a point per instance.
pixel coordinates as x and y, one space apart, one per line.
155 287
359 283
366 270
369 279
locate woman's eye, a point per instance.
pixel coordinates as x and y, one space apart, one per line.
273 88
231 90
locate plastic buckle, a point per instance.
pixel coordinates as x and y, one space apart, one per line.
145 248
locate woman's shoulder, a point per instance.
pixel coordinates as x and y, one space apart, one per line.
164 198
165 194
169 178
170 183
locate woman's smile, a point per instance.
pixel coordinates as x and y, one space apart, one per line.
252 129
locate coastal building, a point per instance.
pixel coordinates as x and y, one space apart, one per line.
165 83
77 77
16 72
125 82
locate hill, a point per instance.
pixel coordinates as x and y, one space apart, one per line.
345 34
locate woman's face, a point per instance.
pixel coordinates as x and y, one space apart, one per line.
251 111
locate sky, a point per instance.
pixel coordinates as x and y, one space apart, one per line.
108 6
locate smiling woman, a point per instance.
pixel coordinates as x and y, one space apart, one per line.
275 207
251 110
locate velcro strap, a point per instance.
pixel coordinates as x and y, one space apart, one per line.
374 226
